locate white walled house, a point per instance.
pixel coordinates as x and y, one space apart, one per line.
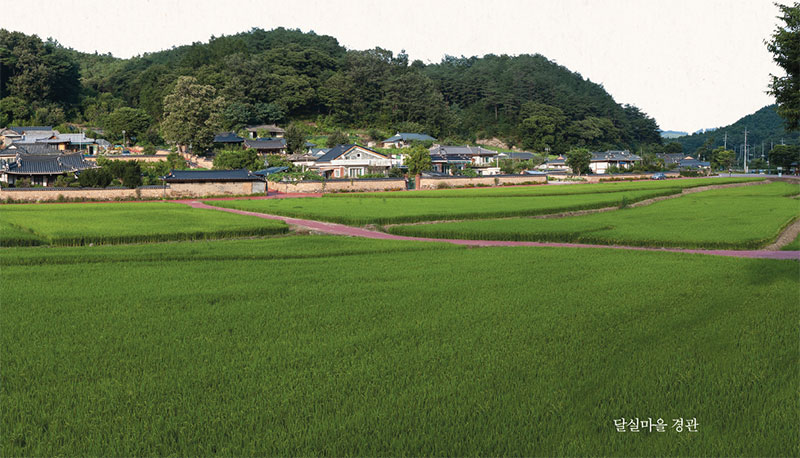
352 161
602 161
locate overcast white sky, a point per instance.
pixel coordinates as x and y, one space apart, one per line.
690 64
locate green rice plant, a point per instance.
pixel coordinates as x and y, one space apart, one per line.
11 235
738 218
83 224
551 190
438 351
358 211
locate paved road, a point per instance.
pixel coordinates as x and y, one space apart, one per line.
341 229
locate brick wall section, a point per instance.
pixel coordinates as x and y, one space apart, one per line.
340 186
496 180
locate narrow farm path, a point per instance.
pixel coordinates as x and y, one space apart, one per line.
641 203
341 229
787 236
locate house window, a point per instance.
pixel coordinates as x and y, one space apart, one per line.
355 172
337 173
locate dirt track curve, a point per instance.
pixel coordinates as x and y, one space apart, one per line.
341 229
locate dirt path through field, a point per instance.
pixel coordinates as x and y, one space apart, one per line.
787 236
341 229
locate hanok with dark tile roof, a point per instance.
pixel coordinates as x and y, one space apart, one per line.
271 129
267 145
215 182
42 169
226 139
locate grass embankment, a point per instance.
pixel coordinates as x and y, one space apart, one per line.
794 246
552 190
440 351
82 224
358 211
738 218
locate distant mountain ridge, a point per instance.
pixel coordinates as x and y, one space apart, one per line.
764 126
673 133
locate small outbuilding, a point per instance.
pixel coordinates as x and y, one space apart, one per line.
195 183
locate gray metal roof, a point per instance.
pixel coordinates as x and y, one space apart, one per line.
614 156
32 164
179 176
462 150
523 156
268 127
408 137
270 171
266 143
23 129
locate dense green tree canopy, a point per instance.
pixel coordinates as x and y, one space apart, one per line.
785 47
287 76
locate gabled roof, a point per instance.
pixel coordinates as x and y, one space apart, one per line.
228 137
75 139
691 162
450 158
268 127
408 137
33 148
300 158
462 150
266 143
319 152
34 164
339 150
615 156
523 156
23 129
671 158
270 171
184 176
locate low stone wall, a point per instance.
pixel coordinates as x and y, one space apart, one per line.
215 189
52 194
495 180
171 191
367 184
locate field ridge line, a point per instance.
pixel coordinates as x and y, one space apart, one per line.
341 229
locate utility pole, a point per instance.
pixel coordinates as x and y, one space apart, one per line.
726 139
745 150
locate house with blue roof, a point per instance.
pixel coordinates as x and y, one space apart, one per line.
352 161
404 140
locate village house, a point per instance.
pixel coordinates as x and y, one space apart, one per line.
271 130
228 140
41 169
404 140
446 159
215 182
352 161
690 163
600 162
266 145
558 164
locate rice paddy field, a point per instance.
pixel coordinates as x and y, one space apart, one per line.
96 223
359 211
318 345
739 218
543 190
132 330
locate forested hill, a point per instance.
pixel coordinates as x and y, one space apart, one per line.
765 125
286 75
